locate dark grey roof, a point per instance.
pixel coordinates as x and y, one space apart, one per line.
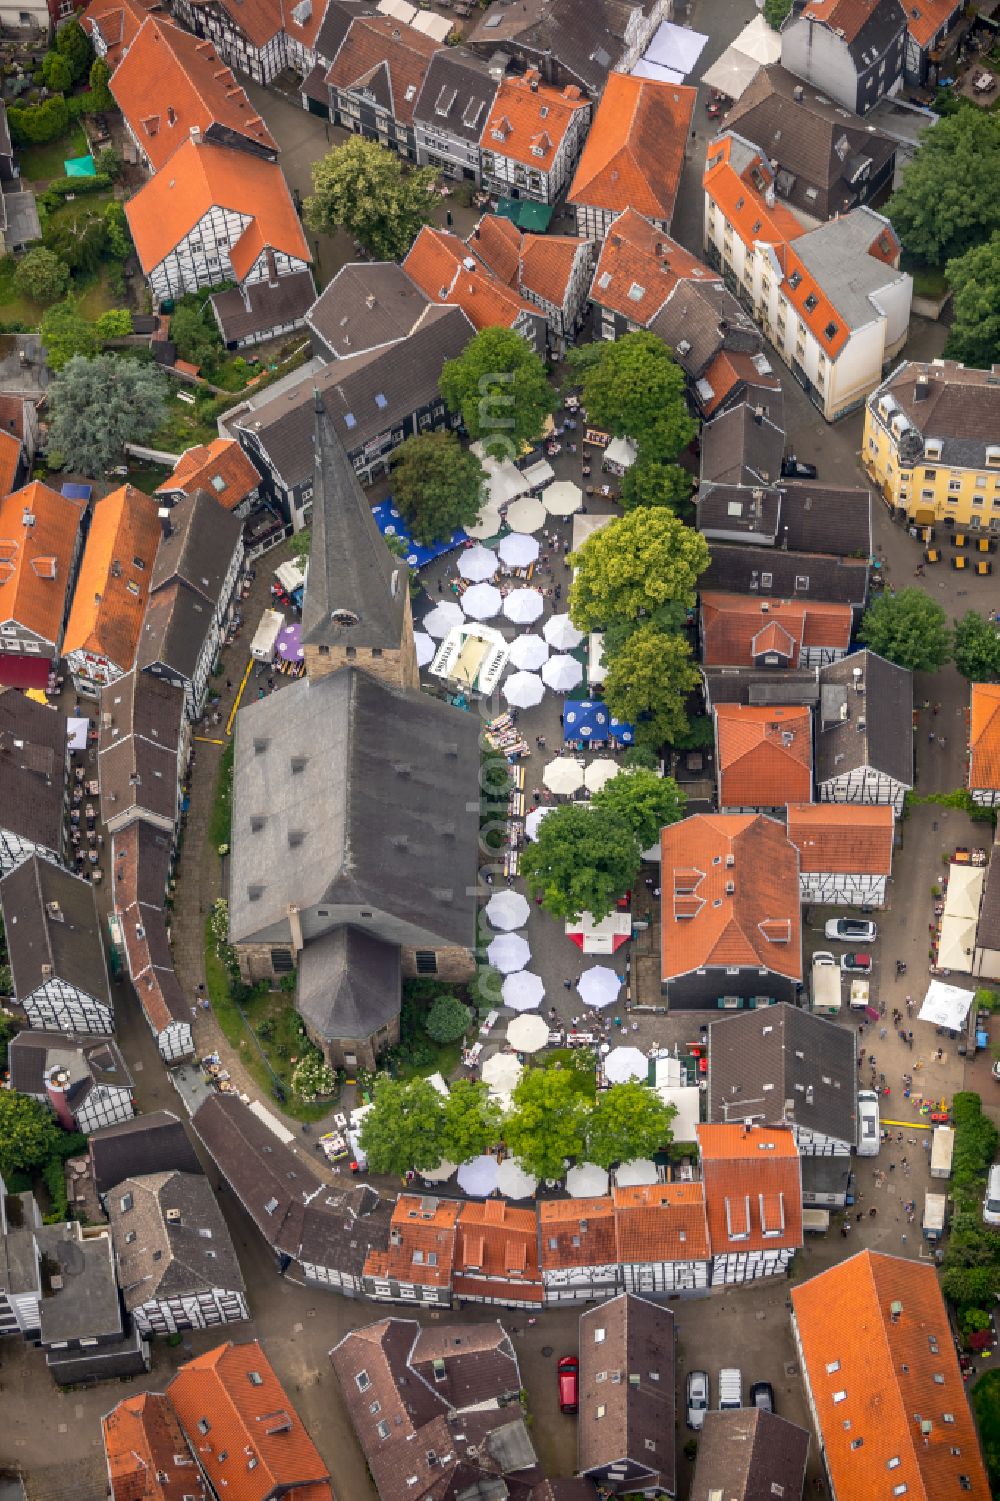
199 550
32 769
783 1064
367 305
578 43
53 930
988 931
348 985
177 622
761 685
86 1060
138 704
456 95
960 408
356 590
873 29
772 573
170 1238
350 793
335 25
155 1143
739 511
824 1175
801 515
140 865
138 775
741 447
124 1357
86 1305
480 1363
865 719
638 1340
816 144
260 307
5 146
748 1455
339 1229
707 317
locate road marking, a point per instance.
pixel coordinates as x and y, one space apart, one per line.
914 1125
208 740
239 695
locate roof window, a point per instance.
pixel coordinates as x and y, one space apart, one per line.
811 303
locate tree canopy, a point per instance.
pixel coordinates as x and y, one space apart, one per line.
548 1119
643 800
775 12
582 860
470 1121
403 1129
974 278
362 187
41 275
66 332
628 1121
649 678
436 485
909 628
635 389
447 1019
949 198
651 482
499 387
73 44
642 561
97 406
977 648
28 1133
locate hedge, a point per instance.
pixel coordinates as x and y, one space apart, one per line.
976 1140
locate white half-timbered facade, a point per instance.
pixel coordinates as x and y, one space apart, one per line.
58 969
665 1278
864 732
14 848
58 1006
753 1199
837 888
845 852
581 1284
202 1310
201 258
532 139
261 56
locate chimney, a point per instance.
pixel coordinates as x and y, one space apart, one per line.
194 131
798 93
295 925
163 513
56 1084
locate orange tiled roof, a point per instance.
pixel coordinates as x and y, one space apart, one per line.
638 268
757 922
109 602
742 201
846 17
436 261
118 22
200 177
848 838
496 240
576 1232
736 628
925 20
171 83
661 1222
726 371
880 1356
753 1188
147 1454
10 458
984 736
529 120
220 467
497 1240
305 30
416 1234
635 148
547 264
380 44
764 755
259 20
35 558
247 1419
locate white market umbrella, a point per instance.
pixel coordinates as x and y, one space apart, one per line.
501 1073
439 1174
633 1174
482 602
523 991
425 647
524 690
507 910
523 606
528 651
443 618
534 818
560 632
599 985
599 773
518 550
478 563
526 514
513 1182
622 1064
487 523
478 1178
563 775
528 1033
586 1181
509 952
562 673
562 498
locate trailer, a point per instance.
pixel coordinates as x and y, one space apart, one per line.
816 1221
826 988
942 1151
265 639
935 1211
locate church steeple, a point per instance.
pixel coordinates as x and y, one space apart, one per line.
356 609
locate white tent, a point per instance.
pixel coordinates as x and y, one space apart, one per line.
438 27
524 690
945 1005
482 602
622 452
528 651
599 986
478 1178
487 524
965 891
561 634
686 1100
425 648
604 937
586 1181
599 773
523 991
626 1063
507 910
563 775
562 498
633 1174
443 618
539 473
439 1174
534 818
526 514
562 673
513 1182
676 47
957 943
756 46
655 71
501 1072
517 550
528 1033
523 606
478 564
504 481
509 952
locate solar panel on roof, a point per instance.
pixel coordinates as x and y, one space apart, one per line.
350 419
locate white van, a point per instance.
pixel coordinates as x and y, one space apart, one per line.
991 1203
730 1388
869 1138
942 1151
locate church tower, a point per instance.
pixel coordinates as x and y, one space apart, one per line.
356 611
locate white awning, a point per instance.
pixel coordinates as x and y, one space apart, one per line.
676 47
945 1005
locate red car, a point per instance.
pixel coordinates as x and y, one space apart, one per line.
568 1371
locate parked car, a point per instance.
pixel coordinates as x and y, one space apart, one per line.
568 1373
869 1133
996 1069
730 1388
793 468
856 964
991 1203
762 1396
697 1399
851 930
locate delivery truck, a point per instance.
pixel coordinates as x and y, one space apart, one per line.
942 1150
826 995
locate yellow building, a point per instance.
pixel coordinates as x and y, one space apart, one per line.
932 444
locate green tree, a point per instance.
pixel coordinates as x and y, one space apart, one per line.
648 682
313 1077
548 1121
109 162
33 124
436 485
57 73
642 561
908 628
949 198
651 482
643 800
41 276
65 333
974 278
80 242
119 238
640 756
96 406
582 860
977 648
28 1133
101 98
636 389
116 323
500 388
447 1020
775 12
362 187
9 1025
403 1129
197 341
73 44
628 1121
471 1121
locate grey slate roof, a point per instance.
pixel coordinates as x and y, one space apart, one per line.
877 730
155 1143
199 550
638 1339
456 95
348 985
736 569
137 704
86 1306
53 930
356 591
783 1063
87 1061
988 931
32 769
761 685
583 43
748 1455
801 515
382 785
335 25
259 307
824 1175
367 305
741 448
479 1362
171 1240
174 630
944 400
705 315
836 255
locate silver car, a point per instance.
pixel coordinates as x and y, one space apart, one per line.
697 1398
851 930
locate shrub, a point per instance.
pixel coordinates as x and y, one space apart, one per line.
447 1019
313 1077
41 275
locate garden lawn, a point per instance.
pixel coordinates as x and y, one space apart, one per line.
147 478
928 281
446 1062
986 1406
45 162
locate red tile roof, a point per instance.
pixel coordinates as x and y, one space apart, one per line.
764 755
547 263
35 558
118 22
231 1403
497 240
171 83
661 1222
846 17
441 266
635 148
729 369
380 44
220 467
417 1234
730 895
737 628
529 120
842 838
497 1241
576 1233
753 1188
259 20
10 458
147 1454
879 1353
112 587
984 737
925 20
638 268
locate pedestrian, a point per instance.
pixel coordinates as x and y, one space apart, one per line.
941 741
892 1167
440 587
930 737
909 1040
940 1054
229 685
270 684
858 1216
567 985
872 1212
936 710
